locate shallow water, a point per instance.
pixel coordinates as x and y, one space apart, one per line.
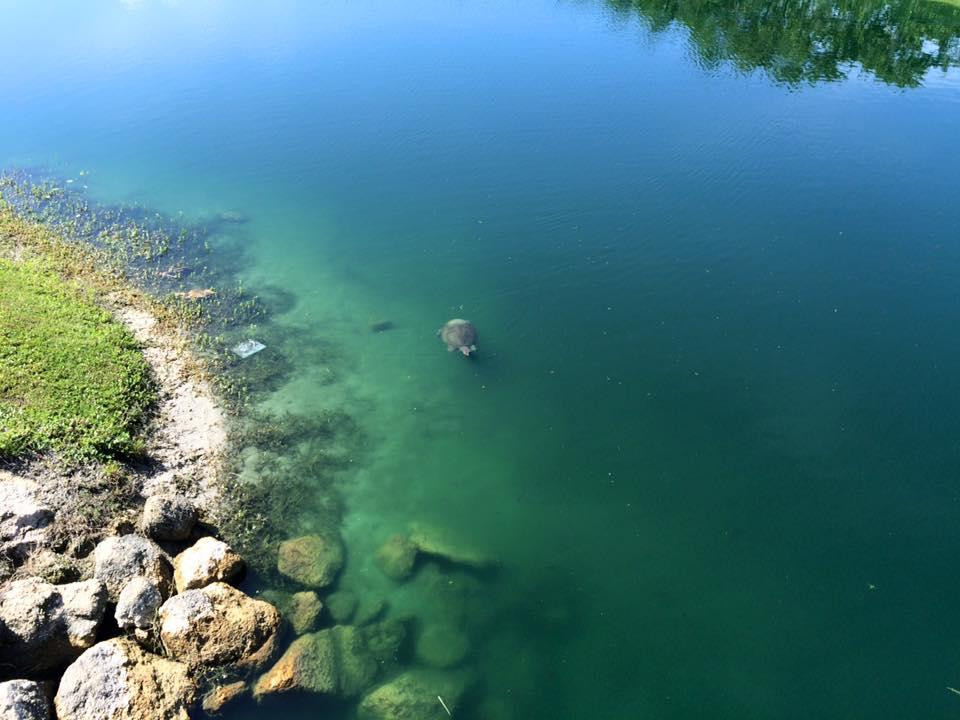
711 429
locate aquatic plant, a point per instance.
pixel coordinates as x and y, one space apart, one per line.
281 474
281 469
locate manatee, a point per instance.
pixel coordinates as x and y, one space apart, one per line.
459 335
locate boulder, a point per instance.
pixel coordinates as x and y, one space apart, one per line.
219 626
445 544
303 610
384 639
341 605
118 680
441 646
23 700
369 610
138 605
340 661
43 626
309 664
168 517
24 517
206 561
119 559
396 557
416 694
215 699
311 560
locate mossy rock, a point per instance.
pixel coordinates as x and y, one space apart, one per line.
311 560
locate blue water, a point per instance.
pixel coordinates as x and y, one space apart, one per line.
711 432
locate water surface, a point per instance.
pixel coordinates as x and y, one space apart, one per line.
711 250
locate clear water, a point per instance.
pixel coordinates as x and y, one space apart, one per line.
712 428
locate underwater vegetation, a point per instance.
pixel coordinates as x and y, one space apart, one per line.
279 467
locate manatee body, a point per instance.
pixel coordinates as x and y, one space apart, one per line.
459 335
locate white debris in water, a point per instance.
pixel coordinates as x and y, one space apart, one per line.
247 348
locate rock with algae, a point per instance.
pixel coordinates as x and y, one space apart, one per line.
311 560
396 557
416 695
442 646
342 661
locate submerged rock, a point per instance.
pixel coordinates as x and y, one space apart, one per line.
218 697
138 604
445 544
218 626
23 700
206 561
303 610
43 626
416 694
118 680
442 646
119 559
24 517
384 640
369 609
341 605
341 661
311 560
168 517
396 557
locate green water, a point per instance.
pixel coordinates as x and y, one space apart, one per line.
711 253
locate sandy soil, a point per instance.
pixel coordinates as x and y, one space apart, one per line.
188 434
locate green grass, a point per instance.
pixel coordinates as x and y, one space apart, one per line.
72 379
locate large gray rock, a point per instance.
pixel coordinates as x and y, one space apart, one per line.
24 517
118 680
168 517
119 559
23 700
43 626
313 560
206 561
138 604
218 626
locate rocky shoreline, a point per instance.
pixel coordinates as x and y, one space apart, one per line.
121 596
157 631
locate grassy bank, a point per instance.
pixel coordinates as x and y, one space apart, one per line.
72 379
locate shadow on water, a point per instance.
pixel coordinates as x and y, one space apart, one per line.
812 41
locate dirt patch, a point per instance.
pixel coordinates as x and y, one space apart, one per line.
188 434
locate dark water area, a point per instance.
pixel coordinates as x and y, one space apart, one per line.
711 251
